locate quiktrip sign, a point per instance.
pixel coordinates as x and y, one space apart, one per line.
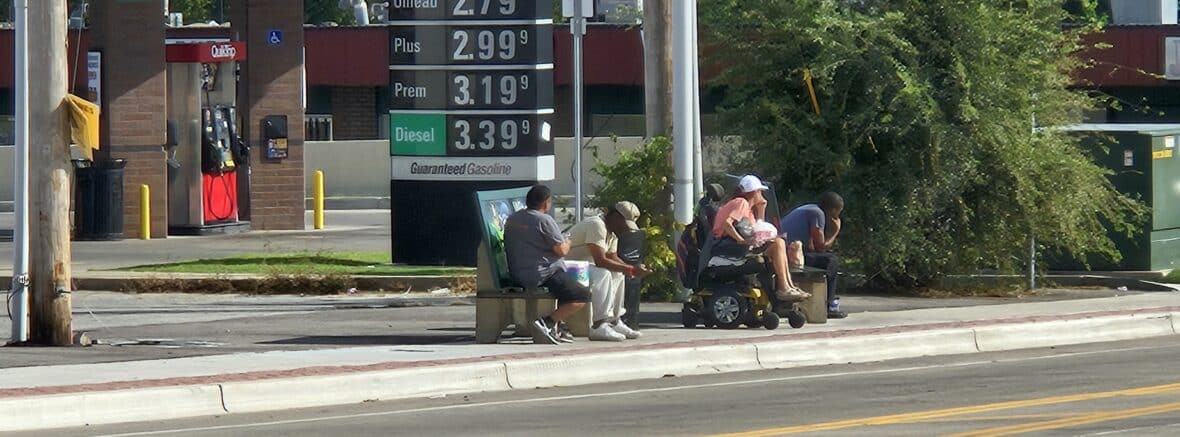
206 52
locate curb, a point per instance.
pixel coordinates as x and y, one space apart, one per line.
129 281
316 387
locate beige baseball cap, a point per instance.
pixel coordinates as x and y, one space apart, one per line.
630 213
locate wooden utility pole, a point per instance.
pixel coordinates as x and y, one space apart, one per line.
657 66
50 173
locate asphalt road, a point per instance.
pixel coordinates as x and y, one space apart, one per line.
1126 388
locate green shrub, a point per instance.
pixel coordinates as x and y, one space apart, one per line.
641 177
926 127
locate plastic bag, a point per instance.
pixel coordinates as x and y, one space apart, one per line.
763 232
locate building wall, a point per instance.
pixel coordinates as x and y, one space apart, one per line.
351 168
354 113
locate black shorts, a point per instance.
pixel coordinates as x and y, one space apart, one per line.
566 289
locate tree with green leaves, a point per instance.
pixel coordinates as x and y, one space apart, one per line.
925 123
323 11
314 11
194 11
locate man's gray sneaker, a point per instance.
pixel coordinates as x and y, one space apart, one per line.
563 334
543 332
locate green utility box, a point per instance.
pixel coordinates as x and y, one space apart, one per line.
1146 165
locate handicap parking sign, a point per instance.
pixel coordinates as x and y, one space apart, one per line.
275 37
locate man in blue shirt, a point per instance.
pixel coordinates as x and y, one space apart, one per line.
816 226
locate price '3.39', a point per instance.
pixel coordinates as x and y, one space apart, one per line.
487 134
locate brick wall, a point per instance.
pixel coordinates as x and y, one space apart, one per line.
354 113
133 122
271 84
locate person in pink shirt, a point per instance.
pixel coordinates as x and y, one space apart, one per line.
745 207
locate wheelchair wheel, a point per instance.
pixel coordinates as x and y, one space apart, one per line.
688 318
770 321
727 310
796 319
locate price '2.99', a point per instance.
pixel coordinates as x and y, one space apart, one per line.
487 45
488 134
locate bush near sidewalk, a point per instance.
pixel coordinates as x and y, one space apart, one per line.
926 121
641 176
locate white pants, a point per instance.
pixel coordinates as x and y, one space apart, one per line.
606 294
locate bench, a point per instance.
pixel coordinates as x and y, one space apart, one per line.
814 281
498 304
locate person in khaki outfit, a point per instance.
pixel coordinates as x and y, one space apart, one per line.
596 240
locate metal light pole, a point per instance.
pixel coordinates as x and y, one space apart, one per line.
578 30
698 172
20 234
683 131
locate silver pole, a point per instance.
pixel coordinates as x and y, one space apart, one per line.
1032 263
578 29
1032 239
698 179
682 118
20 234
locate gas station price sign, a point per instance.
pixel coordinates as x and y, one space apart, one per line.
471 88
456 10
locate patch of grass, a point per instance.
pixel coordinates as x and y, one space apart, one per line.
1173 277
302 263
270 284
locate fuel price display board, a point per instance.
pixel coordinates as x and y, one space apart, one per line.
471 90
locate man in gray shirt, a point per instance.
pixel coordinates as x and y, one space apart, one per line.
534 247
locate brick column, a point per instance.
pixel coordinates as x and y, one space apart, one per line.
134 89
271 84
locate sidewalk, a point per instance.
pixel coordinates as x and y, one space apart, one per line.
225 354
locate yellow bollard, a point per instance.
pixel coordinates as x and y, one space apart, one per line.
145 213
318 199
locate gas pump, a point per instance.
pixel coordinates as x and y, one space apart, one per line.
207 157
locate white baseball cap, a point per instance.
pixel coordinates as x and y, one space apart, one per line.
630 213
751 183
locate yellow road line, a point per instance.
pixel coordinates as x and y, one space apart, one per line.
1069 422
950 412
1004 417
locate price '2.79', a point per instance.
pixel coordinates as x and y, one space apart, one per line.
467 8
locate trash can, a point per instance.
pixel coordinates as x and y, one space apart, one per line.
631 251
98 200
